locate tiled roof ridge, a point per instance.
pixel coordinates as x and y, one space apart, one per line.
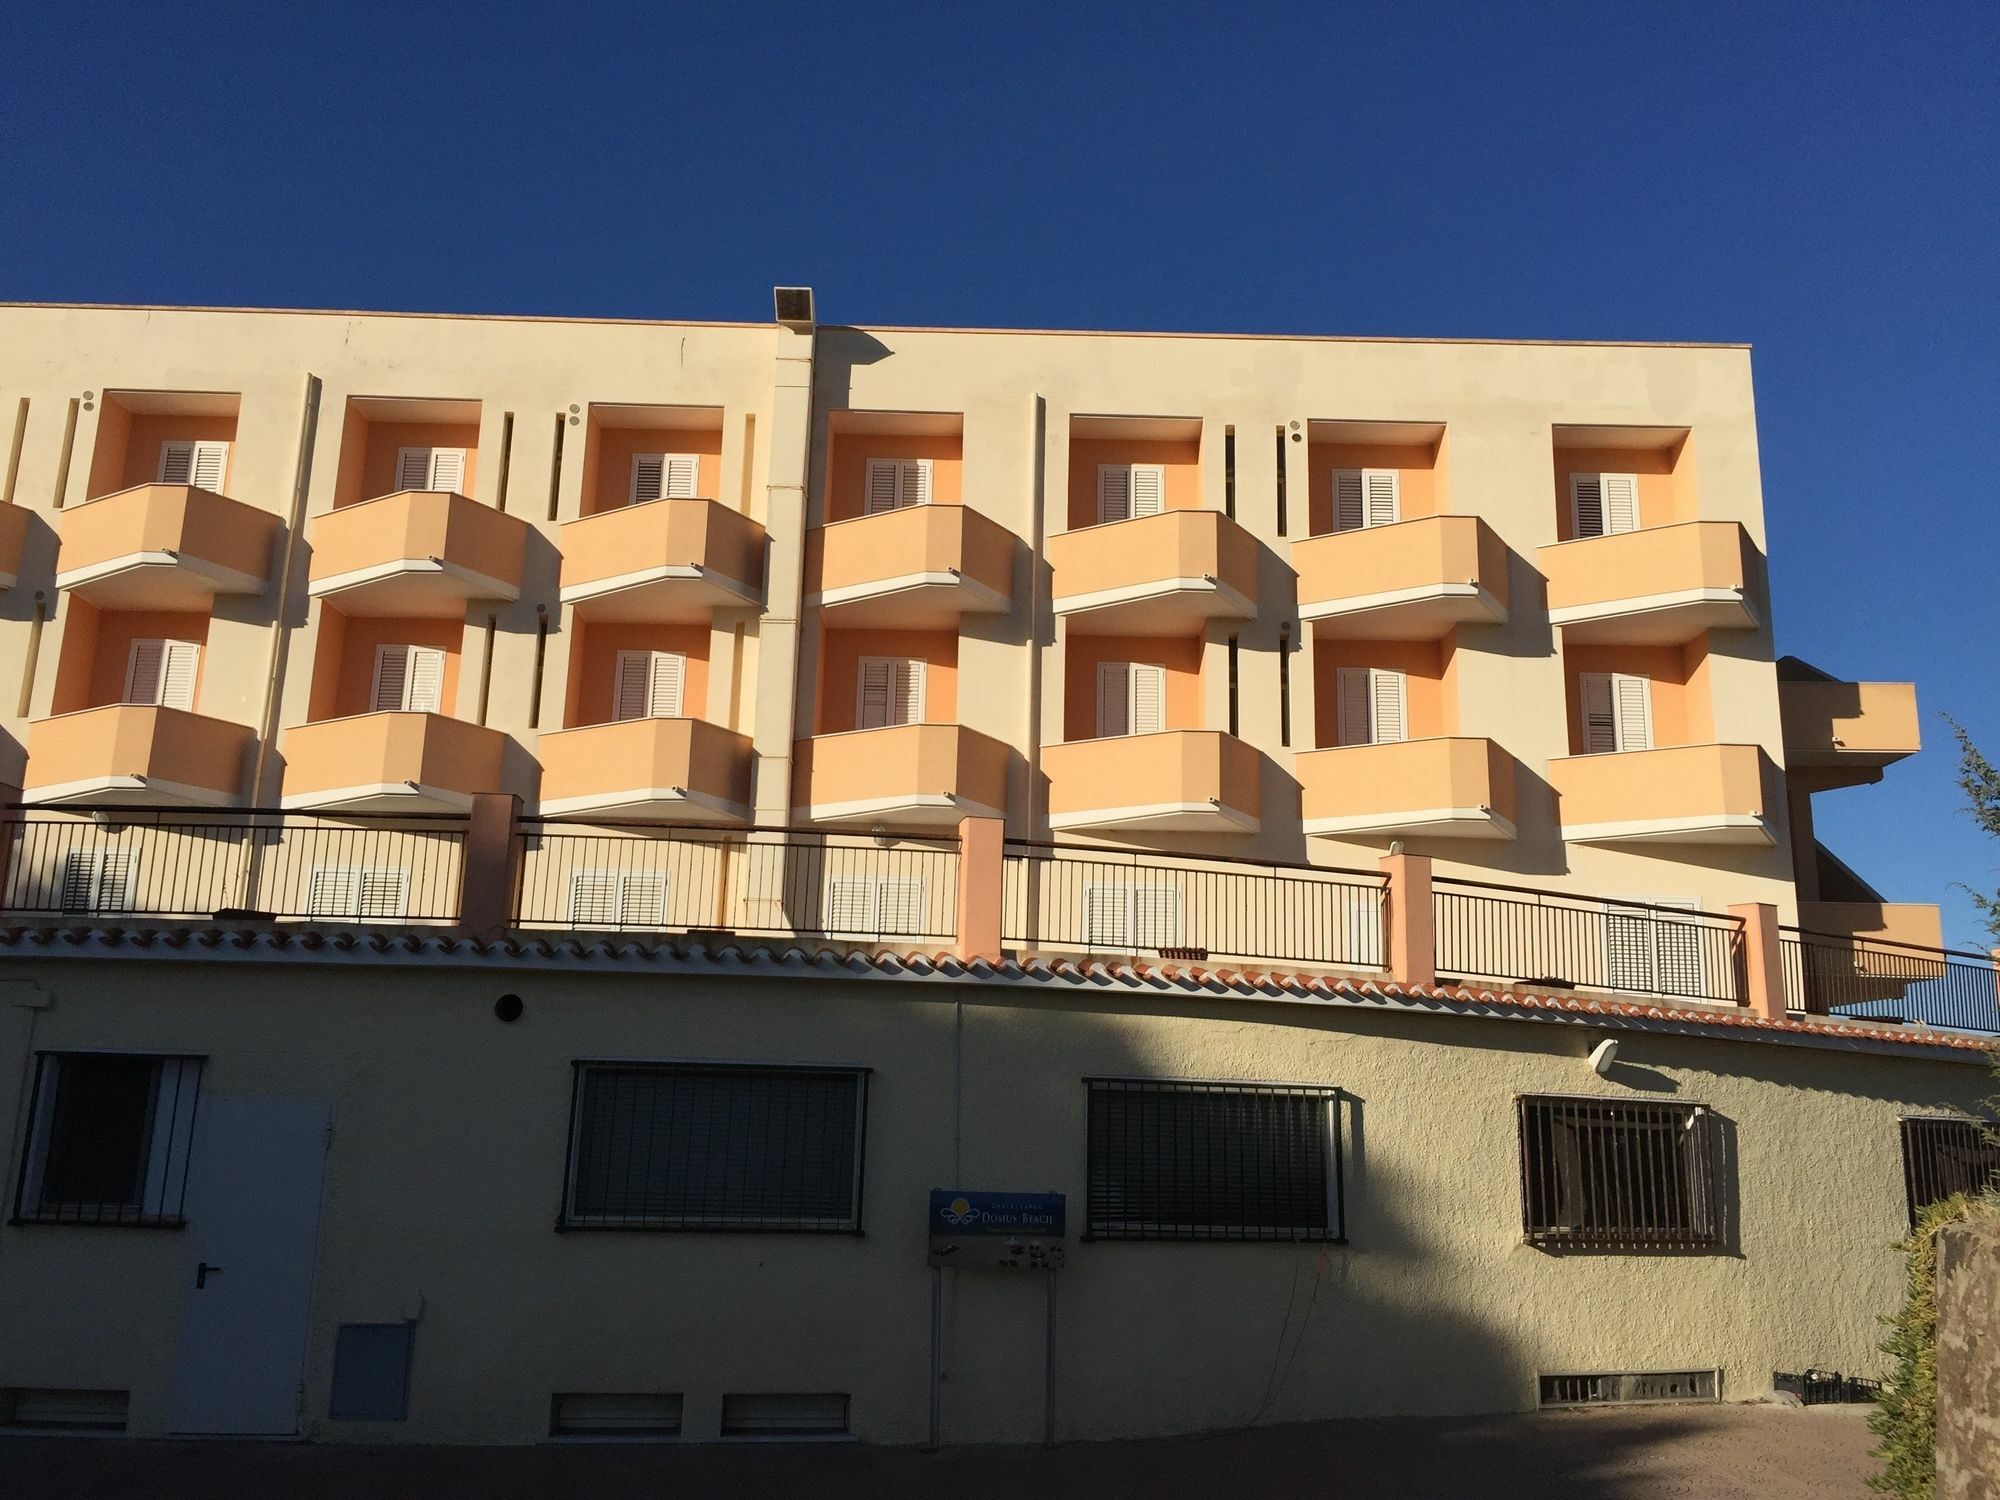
754 954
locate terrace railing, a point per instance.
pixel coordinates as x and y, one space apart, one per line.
1828 974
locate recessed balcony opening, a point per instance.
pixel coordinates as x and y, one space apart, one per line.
1610 480
365 664
1126 468
163 437
1374 692
634 455
1366 474
881 461
136 656
620 671
1625 698
1131 685
393 445
880 679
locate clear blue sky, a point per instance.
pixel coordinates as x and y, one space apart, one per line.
1816 180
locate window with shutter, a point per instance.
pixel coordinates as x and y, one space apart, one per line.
201 464
1604 504
1366 497
1114 492
648 685
108 1141
98 880
1129 917
358 893
613 898
896 483
1651 953
664 476
1372 706
1149 489
1131 698
890 692
430 469
408 679
162 673
1617 712
877 906
1385 497
176 462
683 476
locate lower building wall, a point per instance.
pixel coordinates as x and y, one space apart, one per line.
446 1163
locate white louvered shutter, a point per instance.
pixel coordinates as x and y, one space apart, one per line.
98 880
1600 715
885 486
891 692
1621 503
426 680
332 891
176 462
382 893
642 900
447 469
916 482
1653 952
1149 489
1628 949
413 468
1633 701
177 678
899 906
1356 707
849 905
1114 492
1114 699
683 475
145 666
593 898
1385 496
648 685
211 464
1149 698
1388 719
1156 916
1350 500
649 477
408 678
1107 911
392 679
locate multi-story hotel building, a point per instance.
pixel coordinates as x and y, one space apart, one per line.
487 783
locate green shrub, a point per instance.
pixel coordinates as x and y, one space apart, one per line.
1906 1417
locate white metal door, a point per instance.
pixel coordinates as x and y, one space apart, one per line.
258 1171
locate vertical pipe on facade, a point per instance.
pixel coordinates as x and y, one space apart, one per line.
791 443
281 635
14 453
1038 533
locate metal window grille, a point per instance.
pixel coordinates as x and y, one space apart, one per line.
108 1139
1213 1161
715 1146
1618 1174
1943 1156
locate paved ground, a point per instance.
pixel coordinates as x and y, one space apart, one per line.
1713 1453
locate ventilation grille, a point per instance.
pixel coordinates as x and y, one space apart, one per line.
629 1415
74 1411
762 1414
1631 1387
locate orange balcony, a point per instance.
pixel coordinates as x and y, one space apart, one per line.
1439 788
1412 581
921 567
13 534
417 554
164 546
1910 923
1156 574
1182 780
392 762
668 561
1848 725
1690 794
681 770
138 755
909 774
1660 586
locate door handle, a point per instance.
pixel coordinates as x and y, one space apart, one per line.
202 1272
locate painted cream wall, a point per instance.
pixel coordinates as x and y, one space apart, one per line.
1018 394
1435 1305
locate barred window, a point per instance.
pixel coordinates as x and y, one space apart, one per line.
715 1146
1618 1174
1212 1161
108 1139
1944 1155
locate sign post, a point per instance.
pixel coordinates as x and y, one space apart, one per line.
995 1231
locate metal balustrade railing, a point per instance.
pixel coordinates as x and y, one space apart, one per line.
1138 903
110 862
1517 935
784 882
1829 974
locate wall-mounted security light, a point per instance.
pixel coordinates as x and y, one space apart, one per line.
1603 1055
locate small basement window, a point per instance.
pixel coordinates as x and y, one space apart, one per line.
1943 1155
1631 1387
636 1414
49 1410
1617 1174
108 1139
768 1415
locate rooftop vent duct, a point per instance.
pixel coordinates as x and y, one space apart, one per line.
794 305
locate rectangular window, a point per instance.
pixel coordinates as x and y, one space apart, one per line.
1652 953
1128 490
162 673
648 685
877 906
358 894
764 1414
1131 698
1942 1156
202 465
1617 1174
108 1138
896 483
1372 707
408 679
612 898
430 469
1130 918
889 691
1603 504
1366 497
1617 712
664 476
1213 1161
98 881
715 1146
623 1415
